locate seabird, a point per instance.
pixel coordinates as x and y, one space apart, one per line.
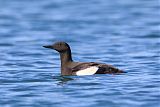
69 67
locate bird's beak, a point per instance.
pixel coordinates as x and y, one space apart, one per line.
48 46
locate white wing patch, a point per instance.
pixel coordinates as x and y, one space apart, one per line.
88 71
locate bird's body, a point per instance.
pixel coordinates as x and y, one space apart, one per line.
69 67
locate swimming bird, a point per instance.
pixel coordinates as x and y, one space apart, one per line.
70 67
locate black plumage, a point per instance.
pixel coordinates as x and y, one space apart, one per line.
69 67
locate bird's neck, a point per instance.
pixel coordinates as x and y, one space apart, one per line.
66 58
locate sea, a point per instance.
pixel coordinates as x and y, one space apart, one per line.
122 33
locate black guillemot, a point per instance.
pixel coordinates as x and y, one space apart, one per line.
69 67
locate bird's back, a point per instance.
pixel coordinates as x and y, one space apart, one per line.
91 68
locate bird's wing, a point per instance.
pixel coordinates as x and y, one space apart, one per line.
84 65
107 69
99 68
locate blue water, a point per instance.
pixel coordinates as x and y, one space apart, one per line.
123 33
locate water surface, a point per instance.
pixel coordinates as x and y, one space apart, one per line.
123 33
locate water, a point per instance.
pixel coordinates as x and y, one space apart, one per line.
123 33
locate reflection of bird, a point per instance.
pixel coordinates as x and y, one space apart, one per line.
62 79
69 67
